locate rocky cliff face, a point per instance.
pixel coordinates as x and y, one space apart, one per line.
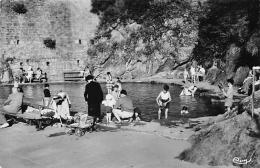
159 37
171 33
132 38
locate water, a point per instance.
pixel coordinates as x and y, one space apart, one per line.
143 95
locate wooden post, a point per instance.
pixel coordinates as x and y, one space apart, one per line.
253 92
253 88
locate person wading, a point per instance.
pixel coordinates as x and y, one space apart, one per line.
93 97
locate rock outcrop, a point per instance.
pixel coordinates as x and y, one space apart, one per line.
224 139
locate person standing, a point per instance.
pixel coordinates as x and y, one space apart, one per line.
229 95
186 75
47 95
163 100
93 96
29 75
193 74
119 84
109 81
202 73
65 105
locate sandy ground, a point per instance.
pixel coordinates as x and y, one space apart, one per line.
146 145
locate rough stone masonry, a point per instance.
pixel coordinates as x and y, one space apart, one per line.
51 34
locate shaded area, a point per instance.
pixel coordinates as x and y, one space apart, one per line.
229 34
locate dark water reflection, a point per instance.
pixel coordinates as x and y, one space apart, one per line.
144 96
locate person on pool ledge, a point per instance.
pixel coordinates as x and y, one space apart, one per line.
12 105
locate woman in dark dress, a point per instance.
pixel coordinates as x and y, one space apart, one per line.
93 96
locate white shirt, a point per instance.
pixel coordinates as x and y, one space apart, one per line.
186 73
30 74
202 71
110 101
192 70
165 96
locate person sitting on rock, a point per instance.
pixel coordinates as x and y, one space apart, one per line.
29 75
12 105
119 84
38 74
124 107
189 91
247 85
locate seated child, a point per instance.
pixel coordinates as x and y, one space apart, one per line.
184 110
109 103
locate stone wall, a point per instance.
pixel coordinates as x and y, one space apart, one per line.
41 32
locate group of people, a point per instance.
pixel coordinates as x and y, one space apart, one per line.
197 73
116 101
23 76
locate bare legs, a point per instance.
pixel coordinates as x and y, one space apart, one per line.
165 113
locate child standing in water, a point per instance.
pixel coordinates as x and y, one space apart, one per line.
109 81
47 95
163 101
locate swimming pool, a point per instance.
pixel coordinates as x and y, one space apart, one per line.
143 95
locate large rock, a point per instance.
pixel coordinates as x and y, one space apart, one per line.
241 74
213 74
224 138
221 142
232 56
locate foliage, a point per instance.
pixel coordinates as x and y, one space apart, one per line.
225 24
